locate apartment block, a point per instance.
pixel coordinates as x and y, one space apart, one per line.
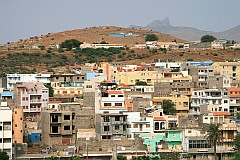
228 69
6 129
32 97
14 78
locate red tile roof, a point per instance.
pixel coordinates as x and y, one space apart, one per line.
114 92
233 89
124 86
221 113
159 119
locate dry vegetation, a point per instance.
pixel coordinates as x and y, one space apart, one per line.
30 61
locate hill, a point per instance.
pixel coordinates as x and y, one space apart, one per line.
189 33
32 61
95 35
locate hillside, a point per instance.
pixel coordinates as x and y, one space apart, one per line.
189 33
31 61
95 34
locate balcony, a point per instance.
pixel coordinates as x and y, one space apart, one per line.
32 110
35 100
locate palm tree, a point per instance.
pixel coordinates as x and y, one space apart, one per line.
213 136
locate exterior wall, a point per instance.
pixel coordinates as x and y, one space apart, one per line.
111 126
130 78
6 132
14 78
181 102
228 69
18 125
209 97
67 91
138 124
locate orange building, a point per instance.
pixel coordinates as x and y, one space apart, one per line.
18 125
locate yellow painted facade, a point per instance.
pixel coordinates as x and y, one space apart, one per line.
228 69
131 78
181 102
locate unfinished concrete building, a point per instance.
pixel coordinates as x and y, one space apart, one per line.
111 126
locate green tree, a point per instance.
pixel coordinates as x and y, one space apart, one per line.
50 92
213 136
208 38
54 158
41 47
75 158
169 107
236 143
121 157
151 37
70 44
4 156
141 83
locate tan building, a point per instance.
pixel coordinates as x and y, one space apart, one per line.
18 125
181 102
131 78
228 69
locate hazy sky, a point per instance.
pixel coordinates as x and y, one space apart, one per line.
21 19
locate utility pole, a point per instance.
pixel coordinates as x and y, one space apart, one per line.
87 149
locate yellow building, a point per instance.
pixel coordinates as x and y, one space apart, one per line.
181 102
131 78
172 77
228 69
18 125
67 91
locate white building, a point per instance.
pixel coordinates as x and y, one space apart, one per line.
88 45
111 101
210 97
13 78
6 129
138 124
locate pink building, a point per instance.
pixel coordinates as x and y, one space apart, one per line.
32 97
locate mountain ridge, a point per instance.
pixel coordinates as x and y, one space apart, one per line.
189 33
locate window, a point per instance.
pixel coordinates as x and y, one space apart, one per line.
147 125
6 140
129 126
66 127
89 86
15 125
106 128
107 104
116 127
120 95
124 127
66 117
129 136
117 118
135 126
112 95
156 125
174 134
225 101
118 104
106 119
15 112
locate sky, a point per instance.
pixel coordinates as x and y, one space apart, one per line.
21 19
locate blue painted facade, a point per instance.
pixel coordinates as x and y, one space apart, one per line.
35 137
7 94
90 76
200 63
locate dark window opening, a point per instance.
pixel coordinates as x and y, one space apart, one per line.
66 117
66 127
